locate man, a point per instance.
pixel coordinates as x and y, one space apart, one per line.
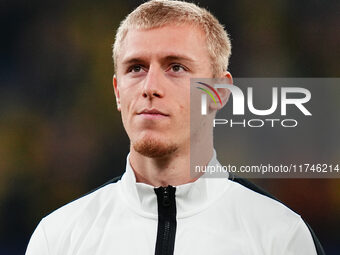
157 207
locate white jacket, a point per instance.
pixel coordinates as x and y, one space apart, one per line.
209 216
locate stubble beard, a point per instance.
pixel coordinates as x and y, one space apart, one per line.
154 148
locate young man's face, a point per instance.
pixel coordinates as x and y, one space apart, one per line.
152 88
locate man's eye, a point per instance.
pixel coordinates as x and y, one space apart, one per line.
135 69
177 68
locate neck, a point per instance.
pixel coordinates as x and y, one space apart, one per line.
173 169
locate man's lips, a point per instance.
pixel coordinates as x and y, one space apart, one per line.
152 113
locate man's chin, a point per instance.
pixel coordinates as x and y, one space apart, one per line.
154 148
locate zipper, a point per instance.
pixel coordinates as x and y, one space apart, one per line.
167 224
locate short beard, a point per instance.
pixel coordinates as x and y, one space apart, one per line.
154 148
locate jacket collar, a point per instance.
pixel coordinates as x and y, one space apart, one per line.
191 198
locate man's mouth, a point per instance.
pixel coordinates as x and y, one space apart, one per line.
152 113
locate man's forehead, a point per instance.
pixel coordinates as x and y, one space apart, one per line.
164 32
169 41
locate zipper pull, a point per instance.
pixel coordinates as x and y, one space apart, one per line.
166 199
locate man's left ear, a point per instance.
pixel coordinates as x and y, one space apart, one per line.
115 88
222 92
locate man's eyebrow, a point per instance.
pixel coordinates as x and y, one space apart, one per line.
173 57
133 61
178 58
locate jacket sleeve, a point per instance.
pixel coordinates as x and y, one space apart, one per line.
300 241
38 243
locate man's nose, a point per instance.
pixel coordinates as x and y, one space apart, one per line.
153 84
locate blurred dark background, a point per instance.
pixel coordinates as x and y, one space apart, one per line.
60 133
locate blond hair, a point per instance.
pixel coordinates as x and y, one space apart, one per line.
158 13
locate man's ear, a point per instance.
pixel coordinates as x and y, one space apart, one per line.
116 90
222 92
